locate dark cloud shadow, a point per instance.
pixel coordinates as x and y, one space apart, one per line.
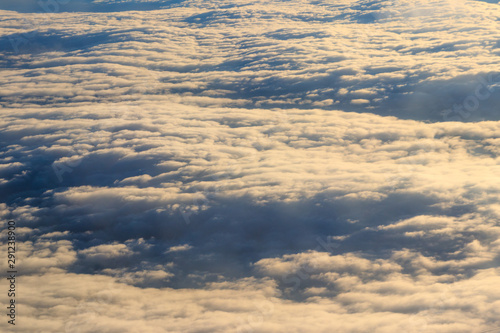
61 6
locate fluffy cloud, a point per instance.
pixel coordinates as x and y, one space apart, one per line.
393 57
262 166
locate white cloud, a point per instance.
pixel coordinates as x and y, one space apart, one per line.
253 166
178 248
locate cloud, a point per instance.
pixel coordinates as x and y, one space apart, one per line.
107 251
251 304
269 166
184 247
318 56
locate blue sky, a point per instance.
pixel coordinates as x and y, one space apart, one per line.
252 166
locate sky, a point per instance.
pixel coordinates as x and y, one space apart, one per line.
251 166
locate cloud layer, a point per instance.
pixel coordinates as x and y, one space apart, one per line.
253 166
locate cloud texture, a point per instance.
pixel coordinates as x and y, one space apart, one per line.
252 166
